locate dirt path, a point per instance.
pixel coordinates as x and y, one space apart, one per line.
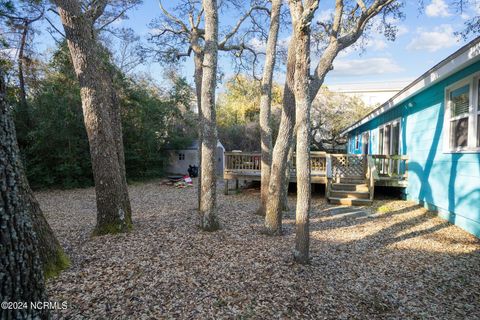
394 260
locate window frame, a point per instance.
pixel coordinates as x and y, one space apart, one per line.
382 142
357 142
472 117
476 114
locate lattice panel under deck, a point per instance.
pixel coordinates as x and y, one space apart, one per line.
348 166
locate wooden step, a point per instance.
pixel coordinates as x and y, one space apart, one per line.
350 201
358 180
349 187
353 177
350 194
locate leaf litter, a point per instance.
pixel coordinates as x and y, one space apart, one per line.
393 260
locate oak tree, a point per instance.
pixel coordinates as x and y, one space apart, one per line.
101 111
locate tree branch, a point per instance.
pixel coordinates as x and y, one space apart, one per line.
55 28
116 17
97 9
229 35
172 17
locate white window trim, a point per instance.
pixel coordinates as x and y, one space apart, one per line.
400 142
472 147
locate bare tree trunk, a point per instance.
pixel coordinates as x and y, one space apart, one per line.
102 120
21 276
288 172
273 216
266 102
208 203
21 60
198 75
116 122
302 116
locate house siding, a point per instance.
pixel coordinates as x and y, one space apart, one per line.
445 182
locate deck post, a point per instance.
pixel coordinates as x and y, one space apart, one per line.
226 187
328 167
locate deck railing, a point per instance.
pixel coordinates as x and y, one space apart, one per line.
391 166
333 166
252 162
348 165
243 161
318 162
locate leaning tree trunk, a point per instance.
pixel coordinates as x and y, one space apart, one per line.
21 276
103 130
273 216
51 253
266 102
198 61
52 256
208 203
302 115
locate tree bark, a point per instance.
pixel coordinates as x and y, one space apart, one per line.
52 256
198 75
266 102
21 276
208 203
301 33
102 119
116 122
288 171
302 115
273 216
21 60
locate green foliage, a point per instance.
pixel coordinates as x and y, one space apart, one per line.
239 108
150 122
59 263
53 139
112 228
238 112
384 209
240 103
52 135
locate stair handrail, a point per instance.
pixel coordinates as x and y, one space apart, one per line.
372 175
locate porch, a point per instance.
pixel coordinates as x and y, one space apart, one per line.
353 172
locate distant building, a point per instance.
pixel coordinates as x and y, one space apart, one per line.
371 93
180 159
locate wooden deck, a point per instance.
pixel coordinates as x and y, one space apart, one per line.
382 170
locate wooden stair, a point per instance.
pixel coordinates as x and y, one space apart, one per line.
350 191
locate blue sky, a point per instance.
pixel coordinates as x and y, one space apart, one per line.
424 38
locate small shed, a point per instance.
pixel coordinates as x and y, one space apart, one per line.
180 159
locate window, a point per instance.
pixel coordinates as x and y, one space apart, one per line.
459 112
478 113
462 115
357 142
380 141
181 156
389 138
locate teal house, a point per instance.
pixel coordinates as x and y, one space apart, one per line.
428 137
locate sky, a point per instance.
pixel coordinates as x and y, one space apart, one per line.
424 38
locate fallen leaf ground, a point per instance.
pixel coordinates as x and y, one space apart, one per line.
394 260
